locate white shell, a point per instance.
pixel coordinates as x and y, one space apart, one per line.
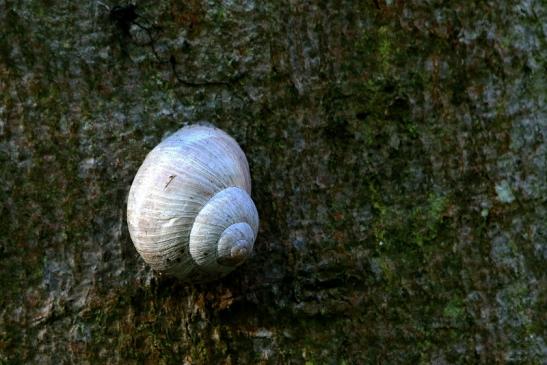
189 209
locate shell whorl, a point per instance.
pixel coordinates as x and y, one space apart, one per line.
189 209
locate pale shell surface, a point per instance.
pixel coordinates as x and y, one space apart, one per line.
189 209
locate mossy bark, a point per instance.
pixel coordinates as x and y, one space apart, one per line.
398 158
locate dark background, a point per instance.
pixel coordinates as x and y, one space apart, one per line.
398 156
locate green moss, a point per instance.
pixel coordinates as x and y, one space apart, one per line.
396 226
385 47
427 219
454 309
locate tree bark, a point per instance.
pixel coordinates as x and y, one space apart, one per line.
398 159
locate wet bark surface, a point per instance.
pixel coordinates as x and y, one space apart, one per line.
398 158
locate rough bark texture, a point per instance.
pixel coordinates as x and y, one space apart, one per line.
398 156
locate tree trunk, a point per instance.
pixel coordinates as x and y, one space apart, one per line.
398 159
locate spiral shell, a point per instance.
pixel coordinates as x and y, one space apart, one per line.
189 210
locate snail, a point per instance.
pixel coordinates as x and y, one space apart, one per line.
189 210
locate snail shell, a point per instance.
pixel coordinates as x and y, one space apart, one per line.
189 209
